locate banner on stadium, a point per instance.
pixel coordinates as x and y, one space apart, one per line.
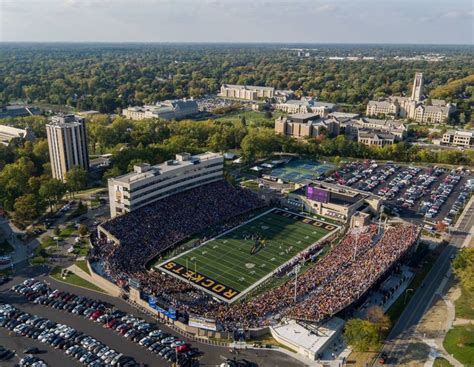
171 312
202 322
211 285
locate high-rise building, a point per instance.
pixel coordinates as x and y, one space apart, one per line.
67 143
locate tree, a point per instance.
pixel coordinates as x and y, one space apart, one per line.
76 179
26 208
362 335
463 267
57 231
83 231
377 316
52 191
440 226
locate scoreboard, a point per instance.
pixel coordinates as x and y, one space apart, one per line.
318 194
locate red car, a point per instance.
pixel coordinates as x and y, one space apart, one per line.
183 348
123 330
111 324
95 315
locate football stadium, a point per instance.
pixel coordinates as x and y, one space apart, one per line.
233 263
227 245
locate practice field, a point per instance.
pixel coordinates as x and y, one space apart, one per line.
231 264
298 170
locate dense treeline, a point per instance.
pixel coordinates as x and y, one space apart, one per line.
108 77
26 185
27 188
154 141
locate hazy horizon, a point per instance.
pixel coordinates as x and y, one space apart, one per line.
401 22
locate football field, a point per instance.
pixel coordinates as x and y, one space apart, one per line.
231 264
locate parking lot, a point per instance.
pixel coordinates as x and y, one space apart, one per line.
428 195
46 325
212 355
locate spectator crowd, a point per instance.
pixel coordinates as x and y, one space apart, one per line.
339 278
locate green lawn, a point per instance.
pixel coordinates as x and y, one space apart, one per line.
68 231
250 184
441 362
73 279
465 305
252 118
82 264
460 343
5 248
238 261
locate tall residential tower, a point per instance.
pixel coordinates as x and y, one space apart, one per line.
67 143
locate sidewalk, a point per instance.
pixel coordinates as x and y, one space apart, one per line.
10 232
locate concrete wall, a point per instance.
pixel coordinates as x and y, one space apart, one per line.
105 284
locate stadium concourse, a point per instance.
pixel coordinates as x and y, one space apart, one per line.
345 273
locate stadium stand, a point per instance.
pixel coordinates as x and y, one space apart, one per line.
336 281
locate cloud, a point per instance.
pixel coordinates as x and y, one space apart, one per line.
458 14
237 20
327 8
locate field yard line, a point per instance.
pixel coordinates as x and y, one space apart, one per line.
214 270
218 236
262 219
231 250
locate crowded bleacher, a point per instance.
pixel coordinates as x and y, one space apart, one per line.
150 230
338 279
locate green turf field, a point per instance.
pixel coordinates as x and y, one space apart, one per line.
232 263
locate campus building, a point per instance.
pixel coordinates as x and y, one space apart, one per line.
306 125
18 111
147 184
332 200
397 128
413 107
166 110
248 92
67 141
283 95
306 105
462 138
375 138
8 133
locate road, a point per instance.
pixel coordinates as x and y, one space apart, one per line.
402 332
11 233
213 355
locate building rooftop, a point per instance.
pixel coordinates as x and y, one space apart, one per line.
312 340
145 170
249 87
63 120
304 117
343 115
8 133
18 111
462 132
323 104
373 134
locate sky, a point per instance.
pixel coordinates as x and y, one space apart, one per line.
276 21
